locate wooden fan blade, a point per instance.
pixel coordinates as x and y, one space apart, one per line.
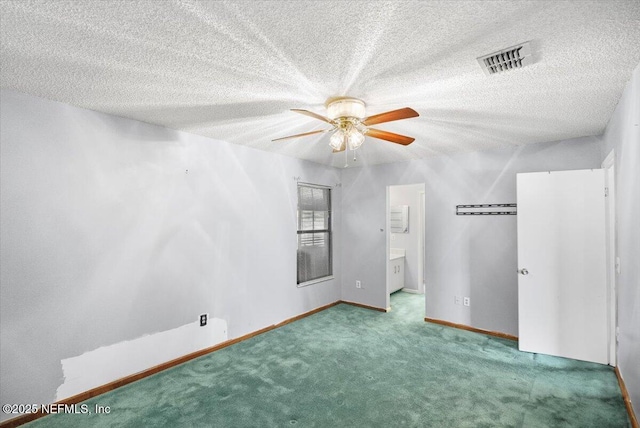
302 135
390 116
312 114
390 136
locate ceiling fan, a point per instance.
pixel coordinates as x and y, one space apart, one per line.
346 115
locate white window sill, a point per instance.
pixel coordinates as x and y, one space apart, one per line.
315 281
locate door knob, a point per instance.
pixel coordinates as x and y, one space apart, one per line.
523 271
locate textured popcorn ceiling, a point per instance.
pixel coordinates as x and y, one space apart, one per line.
231 70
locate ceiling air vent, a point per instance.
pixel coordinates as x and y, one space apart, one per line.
507 59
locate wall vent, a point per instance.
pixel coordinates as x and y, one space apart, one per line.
507 59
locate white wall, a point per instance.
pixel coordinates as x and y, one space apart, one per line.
408 195
107 239
465 255
623 135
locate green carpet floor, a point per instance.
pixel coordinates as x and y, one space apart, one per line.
353 367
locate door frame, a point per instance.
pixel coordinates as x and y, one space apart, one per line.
387 252
608 165
421 241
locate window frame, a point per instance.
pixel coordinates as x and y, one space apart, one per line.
328 231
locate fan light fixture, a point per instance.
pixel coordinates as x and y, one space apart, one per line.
349 124
346 114
350 135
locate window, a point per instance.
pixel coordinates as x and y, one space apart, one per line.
314 233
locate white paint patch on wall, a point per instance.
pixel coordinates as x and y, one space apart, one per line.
109 363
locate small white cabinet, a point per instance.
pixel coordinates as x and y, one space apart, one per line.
395 273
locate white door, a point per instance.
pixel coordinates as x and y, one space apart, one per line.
562 299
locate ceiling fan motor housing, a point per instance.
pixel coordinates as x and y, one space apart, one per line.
345 107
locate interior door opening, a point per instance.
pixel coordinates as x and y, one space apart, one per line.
405 213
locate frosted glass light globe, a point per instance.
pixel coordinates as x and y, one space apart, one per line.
355 139
336 140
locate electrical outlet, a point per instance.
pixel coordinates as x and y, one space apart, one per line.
457 300
467 301
203 320
358 284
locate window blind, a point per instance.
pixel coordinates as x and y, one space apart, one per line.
314 233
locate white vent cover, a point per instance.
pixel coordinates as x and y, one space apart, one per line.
507 59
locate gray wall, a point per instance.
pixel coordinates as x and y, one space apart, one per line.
107 238
623 135
465 255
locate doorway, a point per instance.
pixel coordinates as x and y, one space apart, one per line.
405 214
